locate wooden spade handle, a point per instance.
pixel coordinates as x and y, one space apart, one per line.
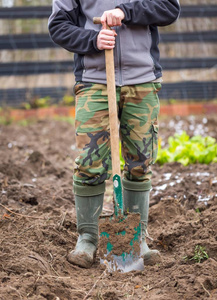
97 20
112 102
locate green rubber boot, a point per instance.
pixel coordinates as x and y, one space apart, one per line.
88 210
138 202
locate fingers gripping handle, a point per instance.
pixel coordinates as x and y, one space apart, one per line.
97 20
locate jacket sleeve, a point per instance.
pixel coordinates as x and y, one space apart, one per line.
64 29
150 12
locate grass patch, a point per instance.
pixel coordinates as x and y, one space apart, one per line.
200 254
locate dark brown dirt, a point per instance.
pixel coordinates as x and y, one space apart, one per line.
36 166
120 233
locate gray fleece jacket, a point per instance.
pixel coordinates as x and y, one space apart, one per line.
136 51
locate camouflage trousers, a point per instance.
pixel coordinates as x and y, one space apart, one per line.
138 109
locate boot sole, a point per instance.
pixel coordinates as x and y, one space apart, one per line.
81 259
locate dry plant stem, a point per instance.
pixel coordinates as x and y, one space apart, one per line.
205 290
56 277
90 291
54 270
157 285
26 230
43 262
16 291
62 221
148 288
20 215
148 236
133 292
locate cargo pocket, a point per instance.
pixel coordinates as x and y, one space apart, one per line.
157 86
81 86
154 142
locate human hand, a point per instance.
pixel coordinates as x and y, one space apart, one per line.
112 17
106 39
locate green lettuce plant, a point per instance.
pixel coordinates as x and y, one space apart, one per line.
186 150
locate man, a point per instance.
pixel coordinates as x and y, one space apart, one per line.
138 79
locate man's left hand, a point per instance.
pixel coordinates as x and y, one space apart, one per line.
112 17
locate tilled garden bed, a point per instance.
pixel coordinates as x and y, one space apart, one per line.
36 167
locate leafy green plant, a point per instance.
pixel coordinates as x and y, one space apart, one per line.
5 116
172 101
200 254
188 150
41 102
26 105
68 100
36 103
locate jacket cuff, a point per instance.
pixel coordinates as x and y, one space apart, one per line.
126 15
95 43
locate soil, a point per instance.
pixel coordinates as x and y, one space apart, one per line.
121 236
38 224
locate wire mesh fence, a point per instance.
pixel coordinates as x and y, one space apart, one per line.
32 66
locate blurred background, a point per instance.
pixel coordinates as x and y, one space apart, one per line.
34 68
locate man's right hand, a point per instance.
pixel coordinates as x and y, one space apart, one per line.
106 39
